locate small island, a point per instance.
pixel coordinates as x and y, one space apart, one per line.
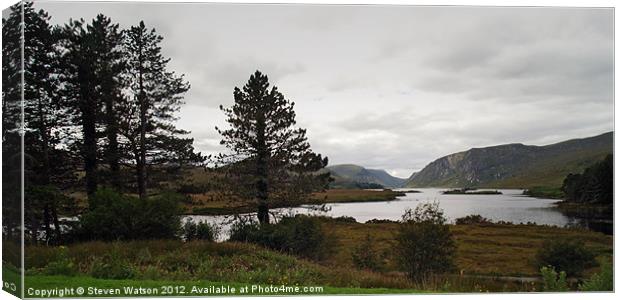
409 191
470 191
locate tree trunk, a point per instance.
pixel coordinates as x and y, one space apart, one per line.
46 223
88 109
143 118
54 213
262 185
112 135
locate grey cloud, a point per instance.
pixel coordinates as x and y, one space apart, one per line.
399 86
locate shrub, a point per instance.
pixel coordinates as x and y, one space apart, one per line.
112 216
381 221
552 281
366 256
345 219
425 246
244 230
300 235
472 219
603 281
112 266
568 255
62 265
200 231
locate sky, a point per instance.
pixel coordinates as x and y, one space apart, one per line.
389 87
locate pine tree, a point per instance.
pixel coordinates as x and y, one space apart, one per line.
11 124
271 157
156 94
46 164
80 91
109 66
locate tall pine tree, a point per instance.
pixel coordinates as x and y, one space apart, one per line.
108 69
80 91
47 165
156 94
270 160
11 125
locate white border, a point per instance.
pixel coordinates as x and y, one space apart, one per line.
561 3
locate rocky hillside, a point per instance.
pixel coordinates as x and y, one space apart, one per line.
514 165
348 176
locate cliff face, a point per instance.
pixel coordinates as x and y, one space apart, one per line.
513 165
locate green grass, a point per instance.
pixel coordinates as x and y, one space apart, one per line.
11 279
198 260
185 288
488 250
545 192
484 252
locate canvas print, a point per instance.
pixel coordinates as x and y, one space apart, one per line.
209 149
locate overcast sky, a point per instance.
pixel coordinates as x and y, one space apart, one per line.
390 87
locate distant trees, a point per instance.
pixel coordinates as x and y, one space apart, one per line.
98 101
271 161
595 185
425 246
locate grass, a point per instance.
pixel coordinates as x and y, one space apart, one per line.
484 254
211 204
183 288
174 260
11 279
488 250
545 192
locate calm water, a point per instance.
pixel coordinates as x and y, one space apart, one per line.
510 206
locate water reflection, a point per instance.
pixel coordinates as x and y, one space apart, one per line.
510 206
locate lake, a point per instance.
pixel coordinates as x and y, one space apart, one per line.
510 206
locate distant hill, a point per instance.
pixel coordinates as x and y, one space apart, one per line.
348 176
514 165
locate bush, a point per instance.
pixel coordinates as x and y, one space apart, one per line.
345 219
552 281
381 221
603 281
425 245
244 230
62 265
112 266
200 231
300 235
570 256
472 219
365 255
112 216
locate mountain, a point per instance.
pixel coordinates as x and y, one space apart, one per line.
514 165
352 175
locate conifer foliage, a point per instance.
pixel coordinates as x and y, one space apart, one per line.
270 161
99 105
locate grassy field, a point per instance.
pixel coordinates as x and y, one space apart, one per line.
490 249
211 204
11 280
149 288
545 192
174 260
486 255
